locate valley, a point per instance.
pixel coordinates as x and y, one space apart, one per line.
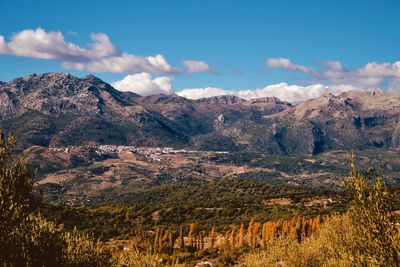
122 167
199 133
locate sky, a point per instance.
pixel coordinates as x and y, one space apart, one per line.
294 50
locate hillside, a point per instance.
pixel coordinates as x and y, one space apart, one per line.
56 109
358 120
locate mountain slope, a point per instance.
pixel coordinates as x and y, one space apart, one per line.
60 109
350 120
57 109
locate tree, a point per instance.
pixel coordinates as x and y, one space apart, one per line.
250 231
264 234
226 240
202 234
157 240
255 234
192 234
315 224
241 236
161 239
16 199
212 237
170 240
377 237
26 238
181 239
232 237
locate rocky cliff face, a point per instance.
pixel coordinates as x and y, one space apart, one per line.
350 120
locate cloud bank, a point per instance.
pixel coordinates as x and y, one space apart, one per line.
100 56
331 77
284 91
144 84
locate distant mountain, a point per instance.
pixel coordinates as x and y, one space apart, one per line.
350 120
60 109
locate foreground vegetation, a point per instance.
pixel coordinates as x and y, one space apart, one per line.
364 235
217 204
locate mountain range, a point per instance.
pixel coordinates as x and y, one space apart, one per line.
58 109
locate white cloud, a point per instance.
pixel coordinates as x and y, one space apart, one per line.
100 56
284 91
196 66
394 85
333 65
196 93
286 64
101 47
144 84
52 45
3 45
332 78
369 76
294 93
125 63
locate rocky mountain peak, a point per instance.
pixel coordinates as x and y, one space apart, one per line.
268 100
223 99
59 93
93 80
165 99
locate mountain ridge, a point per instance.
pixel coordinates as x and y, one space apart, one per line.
53 104
61 109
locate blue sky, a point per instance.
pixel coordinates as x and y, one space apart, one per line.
234 39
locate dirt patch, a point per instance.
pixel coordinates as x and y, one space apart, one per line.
317 201
278 201
155 216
